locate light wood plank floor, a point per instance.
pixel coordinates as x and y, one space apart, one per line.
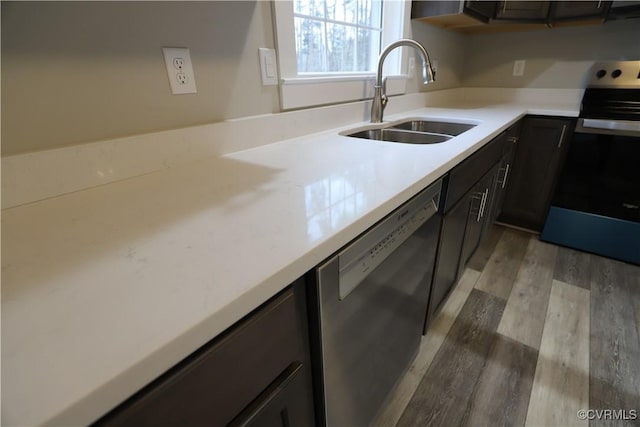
532 334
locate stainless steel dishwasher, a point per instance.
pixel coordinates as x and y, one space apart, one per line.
371 300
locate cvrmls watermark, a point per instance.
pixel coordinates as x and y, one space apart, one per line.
608 414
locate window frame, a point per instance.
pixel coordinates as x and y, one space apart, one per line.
306 91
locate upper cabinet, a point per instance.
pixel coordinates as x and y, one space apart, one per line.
510 15
522 11
579 10
480 8
454 15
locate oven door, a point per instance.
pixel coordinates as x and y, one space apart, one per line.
596 206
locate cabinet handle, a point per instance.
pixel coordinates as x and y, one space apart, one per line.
483 204
512 139
504 6
506 174
477 196
599 4
564 128
483 197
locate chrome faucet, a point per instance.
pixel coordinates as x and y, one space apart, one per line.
379 96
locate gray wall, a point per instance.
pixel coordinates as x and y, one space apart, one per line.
555 58
82 71
445 47
75 72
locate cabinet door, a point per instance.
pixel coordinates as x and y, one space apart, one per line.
480 9
503 173
258 369
479 212
449 254
424 9
502 178
569 10
282 404
526 11
535 168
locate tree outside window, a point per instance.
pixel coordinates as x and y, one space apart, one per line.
337 36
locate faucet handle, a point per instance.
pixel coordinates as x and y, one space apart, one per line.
384 98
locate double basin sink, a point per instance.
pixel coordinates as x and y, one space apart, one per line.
413 131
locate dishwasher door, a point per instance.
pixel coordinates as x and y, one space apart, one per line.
371 299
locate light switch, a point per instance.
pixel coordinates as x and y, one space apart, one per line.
518 67
268 66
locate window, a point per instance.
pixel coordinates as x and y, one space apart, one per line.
337 36
328 49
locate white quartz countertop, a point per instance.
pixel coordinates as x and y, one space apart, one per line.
105 289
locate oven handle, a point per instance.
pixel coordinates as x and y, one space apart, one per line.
608 127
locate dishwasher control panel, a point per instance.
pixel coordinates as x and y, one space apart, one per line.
359 259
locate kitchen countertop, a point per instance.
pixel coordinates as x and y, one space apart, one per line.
105 289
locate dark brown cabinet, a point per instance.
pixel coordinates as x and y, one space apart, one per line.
480 207
453 15
504 171
468 202
448 255
573 10
478 16
523 11
255 374
480 9
550 11
538 158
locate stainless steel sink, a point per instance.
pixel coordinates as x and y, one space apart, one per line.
446 128
416 130
399 135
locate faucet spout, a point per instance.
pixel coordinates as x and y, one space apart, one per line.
379 96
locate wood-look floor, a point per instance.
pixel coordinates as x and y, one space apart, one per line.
531 334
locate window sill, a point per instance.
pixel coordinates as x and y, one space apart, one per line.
303 92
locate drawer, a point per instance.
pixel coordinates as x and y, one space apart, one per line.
219 381
466 174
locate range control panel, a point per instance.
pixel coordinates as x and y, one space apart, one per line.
615 74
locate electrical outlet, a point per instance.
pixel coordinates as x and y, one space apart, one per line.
518 67
178 63
182 78
179 70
